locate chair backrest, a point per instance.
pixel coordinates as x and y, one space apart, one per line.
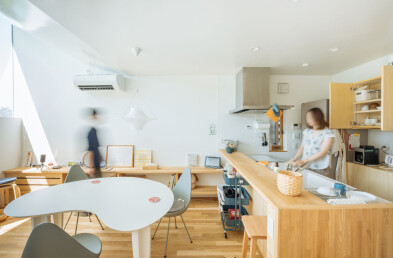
76 173
16 191
182 189
48 240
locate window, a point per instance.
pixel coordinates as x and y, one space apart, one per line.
6 78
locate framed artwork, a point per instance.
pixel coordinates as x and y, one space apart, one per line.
120 156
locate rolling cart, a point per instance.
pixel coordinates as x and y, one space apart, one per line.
228 205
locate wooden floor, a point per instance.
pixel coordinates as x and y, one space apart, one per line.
202 220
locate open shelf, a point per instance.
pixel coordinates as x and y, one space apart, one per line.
366 127
374 80
368 101
368 111
204 190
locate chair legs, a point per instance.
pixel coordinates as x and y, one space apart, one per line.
167 235
99 221
77 220
181 216
67 220
156 229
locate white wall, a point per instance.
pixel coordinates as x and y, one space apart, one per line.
184 106
362 72
10 143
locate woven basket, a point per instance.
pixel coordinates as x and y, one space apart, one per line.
289 183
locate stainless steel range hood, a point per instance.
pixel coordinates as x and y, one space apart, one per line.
253 90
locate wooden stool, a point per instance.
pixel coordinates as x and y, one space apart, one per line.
255 227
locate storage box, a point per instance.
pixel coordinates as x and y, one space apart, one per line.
150 167
245 198
232 181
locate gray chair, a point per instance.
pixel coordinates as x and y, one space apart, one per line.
182 198
48 240
76 173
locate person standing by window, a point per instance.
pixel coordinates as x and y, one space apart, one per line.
317 141
93 152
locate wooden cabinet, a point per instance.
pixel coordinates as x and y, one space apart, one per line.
373 180
340 105
346 112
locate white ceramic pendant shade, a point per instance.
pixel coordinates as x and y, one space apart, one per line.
136 119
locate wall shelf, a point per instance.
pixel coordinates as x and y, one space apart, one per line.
368 101
366 127
368 111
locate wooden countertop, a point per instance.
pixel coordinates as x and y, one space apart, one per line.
160 170
380 167
264 182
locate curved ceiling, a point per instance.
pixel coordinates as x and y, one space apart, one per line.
215 36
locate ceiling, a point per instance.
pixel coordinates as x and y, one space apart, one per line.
181 37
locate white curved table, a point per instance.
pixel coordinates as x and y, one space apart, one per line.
121 203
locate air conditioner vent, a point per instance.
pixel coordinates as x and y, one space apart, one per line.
95 87
100 82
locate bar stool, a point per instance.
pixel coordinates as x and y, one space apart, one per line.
255 227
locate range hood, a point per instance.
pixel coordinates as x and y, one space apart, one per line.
253 90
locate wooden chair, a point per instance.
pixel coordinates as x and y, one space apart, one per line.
255 227
5 186
16 191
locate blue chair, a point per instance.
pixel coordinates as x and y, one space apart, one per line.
47 240
76 173
182 198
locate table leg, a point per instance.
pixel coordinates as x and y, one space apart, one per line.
141 243
39 219
58 219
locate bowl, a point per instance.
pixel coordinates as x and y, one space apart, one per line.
230 150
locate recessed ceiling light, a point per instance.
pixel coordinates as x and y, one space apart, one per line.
294 1
334 49
255 49
305 65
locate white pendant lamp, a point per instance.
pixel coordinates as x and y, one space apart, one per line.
136 117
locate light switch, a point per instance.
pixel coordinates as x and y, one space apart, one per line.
212 129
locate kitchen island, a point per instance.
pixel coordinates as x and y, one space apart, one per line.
307 226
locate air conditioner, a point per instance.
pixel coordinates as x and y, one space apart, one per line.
100 82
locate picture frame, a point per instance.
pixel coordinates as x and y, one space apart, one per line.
120 156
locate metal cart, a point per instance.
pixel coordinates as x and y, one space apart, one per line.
236 203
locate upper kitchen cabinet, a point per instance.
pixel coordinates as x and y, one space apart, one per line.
363 105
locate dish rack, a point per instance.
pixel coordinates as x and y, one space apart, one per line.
228 205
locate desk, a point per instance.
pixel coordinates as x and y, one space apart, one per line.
31 179
121 203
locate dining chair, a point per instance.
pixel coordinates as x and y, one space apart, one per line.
5 186
182 198
76 173
47 240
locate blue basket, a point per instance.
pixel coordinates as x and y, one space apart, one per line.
231 201
231 181
231 223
